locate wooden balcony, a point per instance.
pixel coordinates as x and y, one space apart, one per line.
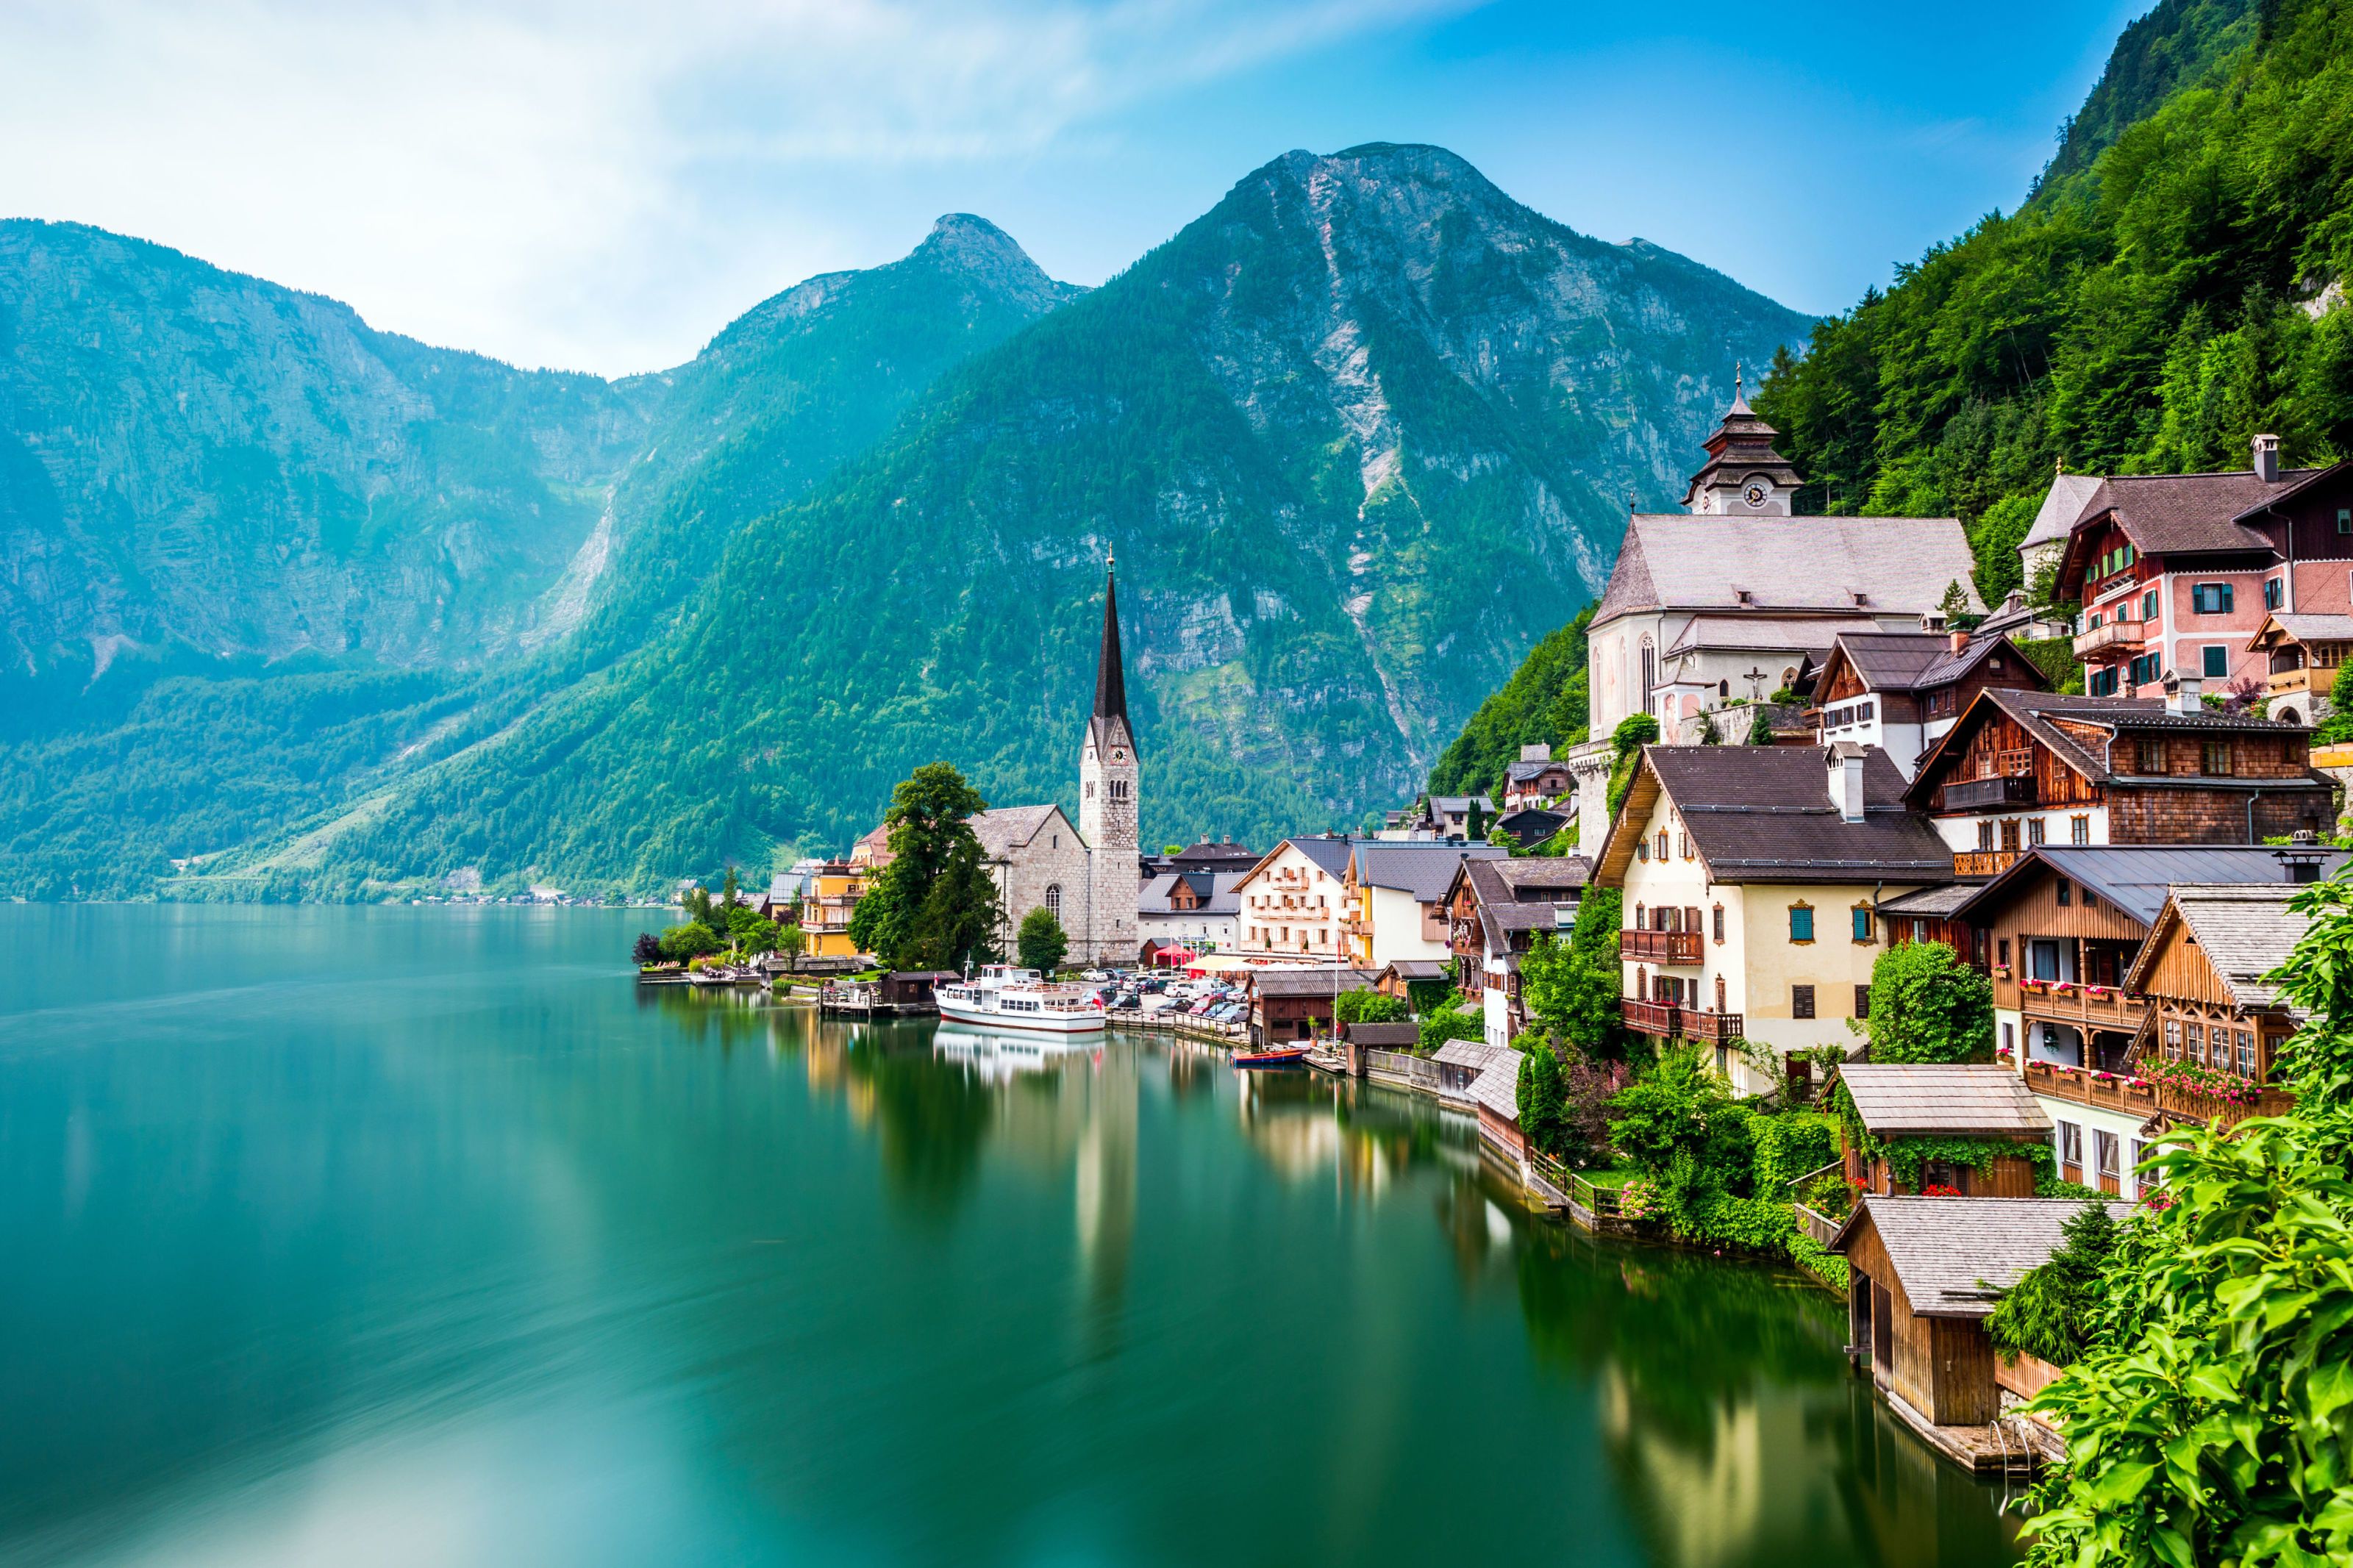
1982 795
1660 1019
2112 1091
2115 633
1712 1029
1660 946
2295 682
2065 1002
1983 862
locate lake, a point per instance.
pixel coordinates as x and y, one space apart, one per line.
423 1236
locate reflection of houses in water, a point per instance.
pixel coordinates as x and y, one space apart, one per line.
1305 1125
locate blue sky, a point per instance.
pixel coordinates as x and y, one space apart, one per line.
602 186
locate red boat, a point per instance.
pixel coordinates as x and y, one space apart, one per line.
1272 1058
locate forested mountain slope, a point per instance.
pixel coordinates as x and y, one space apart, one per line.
260 558
1360 436
2148 313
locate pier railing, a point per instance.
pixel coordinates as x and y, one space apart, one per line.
1599 1201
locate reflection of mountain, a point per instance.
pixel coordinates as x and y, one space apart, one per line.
1737 1430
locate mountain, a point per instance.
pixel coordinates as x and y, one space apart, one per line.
197 467
2156 305
1544 701
257 557
1359 436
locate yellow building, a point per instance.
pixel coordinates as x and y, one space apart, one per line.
1750 877
834 889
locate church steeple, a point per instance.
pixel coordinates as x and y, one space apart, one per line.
1744 477
1110 678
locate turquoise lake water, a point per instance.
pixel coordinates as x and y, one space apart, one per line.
422 1235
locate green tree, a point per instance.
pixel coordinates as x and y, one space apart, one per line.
791 942
1540 1093
1633 732
1363 1005
1454 1021
1927 1005
1678 1123
1573 988
905 917
1475 827
690 939
2206 1420
730 899
1041 943
2047 1312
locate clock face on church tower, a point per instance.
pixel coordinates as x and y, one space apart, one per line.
1756 493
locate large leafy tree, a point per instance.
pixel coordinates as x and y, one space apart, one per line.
1573 987
1927 1005
2210 1421
1041 943
934 906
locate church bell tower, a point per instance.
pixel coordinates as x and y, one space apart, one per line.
1107 821
1744 477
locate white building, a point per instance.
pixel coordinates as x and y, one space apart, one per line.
1290 902
1393 900
1195 909
1727 602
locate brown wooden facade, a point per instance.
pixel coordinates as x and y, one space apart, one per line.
2003 1178
2006 667
2194 1019
2060 953
1942 1367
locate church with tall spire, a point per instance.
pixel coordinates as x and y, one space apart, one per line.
1087 874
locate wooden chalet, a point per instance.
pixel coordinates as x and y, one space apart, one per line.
2302 653
2216 1022
1924 1275
1902 691
1899 1100
1297 1004
2025 768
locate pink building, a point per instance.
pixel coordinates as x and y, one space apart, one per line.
2177 573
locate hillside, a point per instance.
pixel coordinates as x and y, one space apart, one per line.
2149 313
1360 435
262 559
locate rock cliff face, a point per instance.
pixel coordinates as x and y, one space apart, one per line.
1360 436
193 459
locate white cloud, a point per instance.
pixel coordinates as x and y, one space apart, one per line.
590 185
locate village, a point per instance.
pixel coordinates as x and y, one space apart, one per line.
1871 927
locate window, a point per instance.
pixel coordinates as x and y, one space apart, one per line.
2148 755
2009 1038
2148 606
2066 890
2345 520
2009 835
2211 598
1719 923
1639 922
2091 900
1662 846
1685 845
1801 1001
2033 831
1801 925
1862 1001
1985 835
1862 922
2272 586
2002 953
2102 682
2105 1146
1641 849
2079 830
2141 1153
2193 1042
2071 1145
1054 900
2173 1037
2217 662
2246 1053
2214 759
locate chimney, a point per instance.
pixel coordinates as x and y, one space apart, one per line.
1846 780
1960 639
2303 857
2183 694
2267 459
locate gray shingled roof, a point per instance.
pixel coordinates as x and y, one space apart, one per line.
1417 969
1328 855
2246 932
1914 661
2063 503
1424 870
1321 982
1911 1099
1931 903
2190 511
1385 1037
1901 565
2314 629
2136 878
1497 1086
1763 814
1474 1054
1215 889
1008 827
1955 1256
1739 633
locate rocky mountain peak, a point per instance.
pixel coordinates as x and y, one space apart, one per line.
974 248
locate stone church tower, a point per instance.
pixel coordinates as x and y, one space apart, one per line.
1107 780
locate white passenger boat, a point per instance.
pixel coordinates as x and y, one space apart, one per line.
1005 997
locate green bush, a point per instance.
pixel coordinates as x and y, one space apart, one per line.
2045 1313
1364 1005
1452 1022
691 940
1927 1005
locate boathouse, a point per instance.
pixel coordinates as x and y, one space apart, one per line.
1924 1274
1298 1003
1954 1105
